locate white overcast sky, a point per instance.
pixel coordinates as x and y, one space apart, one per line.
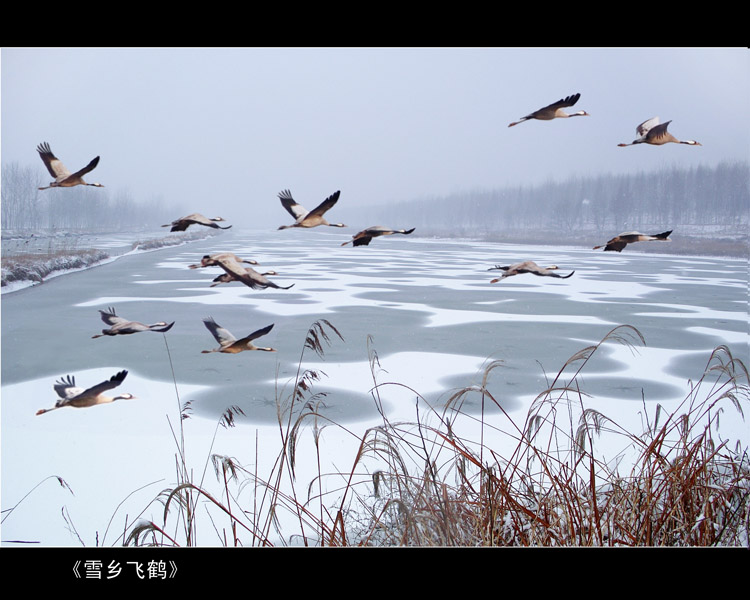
222 130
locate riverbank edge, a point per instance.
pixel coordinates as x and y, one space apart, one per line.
710 247
31 270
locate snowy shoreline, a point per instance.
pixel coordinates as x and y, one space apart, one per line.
66 262
23 271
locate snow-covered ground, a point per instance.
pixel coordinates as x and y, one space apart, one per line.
135 444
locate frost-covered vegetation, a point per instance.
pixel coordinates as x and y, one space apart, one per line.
59 253
453 478
172 240
35 267
708 207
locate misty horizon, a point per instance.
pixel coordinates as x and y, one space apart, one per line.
222 130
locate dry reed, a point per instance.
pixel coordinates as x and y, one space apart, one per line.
543 482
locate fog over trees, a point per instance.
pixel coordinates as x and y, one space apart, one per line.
25 207
703 199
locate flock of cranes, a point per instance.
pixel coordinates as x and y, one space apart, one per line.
649 132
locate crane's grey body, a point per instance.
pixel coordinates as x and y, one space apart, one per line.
230 344
554 111
212 260
304 218
619 242
364 237
63 177
120 326
234 271
528 266
259 278
195 219
656 134
77 397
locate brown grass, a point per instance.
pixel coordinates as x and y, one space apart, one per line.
35 267
542 482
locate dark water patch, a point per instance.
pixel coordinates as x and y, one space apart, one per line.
647 305
629 389
718 297
504 390
388 287
690 366
301 301
259 403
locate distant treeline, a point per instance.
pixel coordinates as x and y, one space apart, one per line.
24 207
716 198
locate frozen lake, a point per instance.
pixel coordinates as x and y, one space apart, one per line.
434 321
